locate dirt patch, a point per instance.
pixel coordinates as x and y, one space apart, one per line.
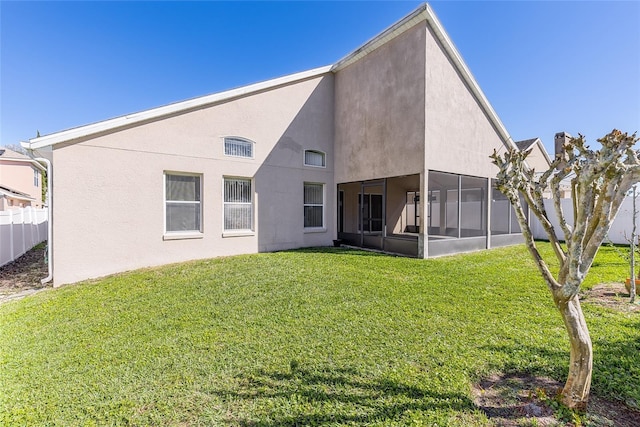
525 400
24 274
610 295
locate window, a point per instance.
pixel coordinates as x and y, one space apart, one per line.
237 147
238 209
36 178
314 158
182 203
313 205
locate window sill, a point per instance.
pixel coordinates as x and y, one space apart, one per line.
239 233
315 230
183 236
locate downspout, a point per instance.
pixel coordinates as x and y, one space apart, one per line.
49 220
49 213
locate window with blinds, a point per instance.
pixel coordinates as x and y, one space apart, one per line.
237 147
313 205
238 207
183 208
314 158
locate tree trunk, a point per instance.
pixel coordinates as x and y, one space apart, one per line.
575 393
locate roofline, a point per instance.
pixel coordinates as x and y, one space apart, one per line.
166 110
455 56
544 150
27 160
422 13
23 196
384 37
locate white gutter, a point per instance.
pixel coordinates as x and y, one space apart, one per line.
49 220
49 212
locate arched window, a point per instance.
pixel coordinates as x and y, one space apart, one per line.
238 147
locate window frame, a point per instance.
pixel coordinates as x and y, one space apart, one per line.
182 234
324 158
241 140
316 228
238 231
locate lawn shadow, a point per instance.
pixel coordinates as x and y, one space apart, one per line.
342 250
307 396
613 366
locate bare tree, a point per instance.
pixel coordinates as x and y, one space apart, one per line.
600 180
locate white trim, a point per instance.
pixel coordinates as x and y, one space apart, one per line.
323 227
181 234
239 231
178 107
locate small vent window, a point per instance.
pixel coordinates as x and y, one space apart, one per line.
236 147
314 158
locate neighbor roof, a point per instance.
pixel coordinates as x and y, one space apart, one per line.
14 156
422 13
526 144
14 194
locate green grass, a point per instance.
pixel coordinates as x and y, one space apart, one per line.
309 337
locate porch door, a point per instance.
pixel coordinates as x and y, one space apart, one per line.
370 213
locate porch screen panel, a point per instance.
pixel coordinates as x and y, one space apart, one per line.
313 205
238 207
473 210
182 198
500 211
443 200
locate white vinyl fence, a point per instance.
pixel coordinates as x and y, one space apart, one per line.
20 230
619 232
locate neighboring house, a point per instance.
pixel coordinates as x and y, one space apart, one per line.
20 180
388 149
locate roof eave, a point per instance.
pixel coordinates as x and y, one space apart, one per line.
167 110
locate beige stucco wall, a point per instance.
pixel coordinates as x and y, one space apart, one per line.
459 136
19 176
379 114
108 191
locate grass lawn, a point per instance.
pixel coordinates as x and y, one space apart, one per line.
309 337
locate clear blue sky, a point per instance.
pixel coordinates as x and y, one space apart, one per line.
544 66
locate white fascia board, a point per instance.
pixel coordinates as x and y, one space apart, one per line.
16 196
154 113
455 56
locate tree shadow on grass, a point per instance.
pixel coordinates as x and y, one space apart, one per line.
301 396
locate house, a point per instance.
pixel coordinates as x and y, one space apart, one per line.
20 180
388 148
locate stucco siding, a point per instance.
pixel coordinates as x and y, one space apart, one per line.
379 113
109 190
459 135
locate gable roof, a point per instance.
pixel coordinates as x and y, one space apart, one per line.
9 155
527 144
422 13
14 194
